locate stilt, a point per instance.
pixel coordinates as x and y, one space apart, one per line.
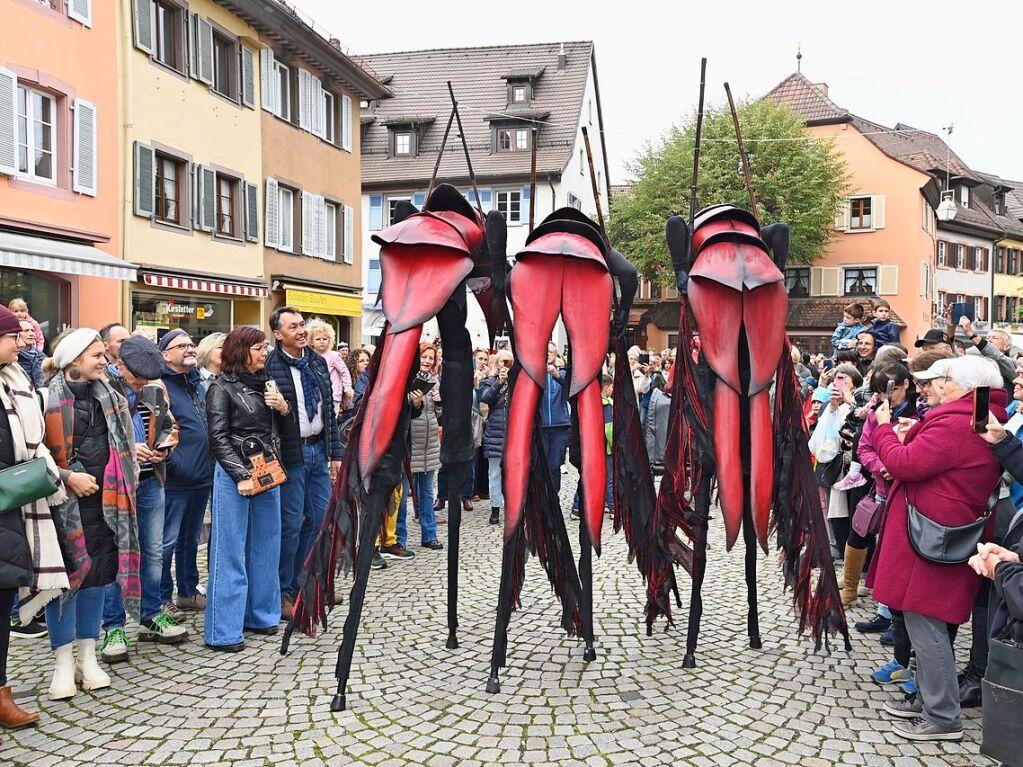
749 537
702 510
586 579
504 607
457 472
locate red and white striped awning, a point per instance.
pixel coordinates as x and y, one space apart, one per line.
206 286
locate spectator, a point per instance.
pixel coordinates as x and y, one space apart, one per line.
113 335
30 555
554 415
321 338
136 377
946 471
310 443
934 340
358 366
1006 365
655 427
20 309
494 393
189 473
882 328
607 385
865 350
89 433
29 358
207 358
424 434
851 326
244 551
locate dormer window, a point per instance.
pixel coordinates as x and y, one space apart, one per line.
964 196
518 94
999 203
512 139
402 143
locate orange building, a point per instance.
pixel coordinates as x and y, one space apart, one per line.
60 245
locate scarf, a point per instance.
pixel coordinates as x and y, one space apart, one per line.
48 574
310 384
118 488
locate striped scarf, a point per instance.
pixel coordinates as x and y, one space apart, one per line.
118 489
48 574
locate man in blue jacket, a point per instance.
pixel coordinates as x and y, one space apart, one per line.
310 444
555 416
189 472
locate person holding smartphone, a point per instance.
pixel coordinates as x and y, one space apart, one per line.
494 394
424 435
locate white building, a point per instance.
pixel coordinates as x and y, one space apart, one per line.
504 92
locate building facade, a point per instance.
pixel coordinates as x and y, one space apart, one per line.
509 97
60 243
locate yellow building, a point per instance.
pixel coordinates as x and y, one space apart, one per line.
1008 287
193 166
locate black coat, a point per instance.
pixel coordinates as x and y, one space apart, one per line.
497 400
234 412
15 557
1006 605
291 442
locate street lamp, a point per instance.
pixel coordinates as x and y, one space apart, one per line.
947 208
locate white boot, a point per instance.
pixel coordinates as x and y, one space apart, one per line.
88 670
63 685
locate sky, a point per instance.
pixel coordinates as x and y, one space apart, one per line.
925 64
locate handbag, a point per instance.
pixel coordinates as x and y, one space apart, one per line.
24 483
944 544
1002 688
267 472
869 513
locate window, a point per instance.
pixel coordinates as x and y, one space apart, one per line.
283 91
286 198
225 66
999 203
860 213
402 143
510 204
582 163
392 202
999 260
328 117
964 196
169 189
655 291
942 253
168 40
36 126
574 202
522 139
861 281
1013 261
960 256
797 281
330 245
518 94
227 195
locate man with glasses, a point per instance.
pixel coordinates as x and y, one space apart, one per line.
189 474
29 358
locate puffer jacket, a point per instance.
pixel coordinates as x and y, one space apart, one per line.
655 428
237 412
424 436
15 557
495 396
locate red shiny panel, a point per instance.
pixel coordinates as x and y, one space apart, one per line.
471 231
718 312
563 244
764 311
718 226
593 447
729 459
536 303
761 463
586 310
736 264
517 443
419 279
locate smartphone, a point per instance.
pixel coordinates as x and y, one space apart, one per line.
981 400
644 358
839 382
423 385
889 390
270 386
960 310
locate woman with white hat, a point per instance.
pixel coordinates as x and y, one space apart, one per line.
91 438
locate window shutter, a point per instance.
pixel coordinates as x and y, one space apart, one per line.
303 104
888 280
349 238
986 307
208 200
831 281
248 78
204 50
877 209
842 216
320 110
925 279
84 175
307 224
524 209
985 258
815 281
251 212
80 10
272 214
8 122
487 200
142 23
346 123
376 212
419 199
320 221
267 80
145 180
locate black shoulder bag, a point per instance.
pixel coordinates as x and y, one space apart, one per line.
944 545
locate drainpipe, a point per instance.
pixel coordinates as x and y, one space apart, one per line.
126 79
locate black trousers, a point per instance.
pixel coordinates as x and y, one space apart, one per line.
6 603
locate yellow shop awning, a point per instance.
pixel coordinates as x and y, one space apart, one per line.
336 302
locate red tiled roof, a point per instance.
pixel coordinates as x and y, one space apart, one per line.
807 100
825 313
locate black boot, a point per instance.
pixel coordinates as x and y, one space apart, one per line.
495 515
970 690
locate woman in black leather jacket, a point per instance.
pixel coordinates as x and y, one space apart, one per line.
245 543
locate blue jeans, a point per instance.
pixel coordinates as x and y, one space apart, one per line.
245 548
496 490
423 481
182 528
81 619
304 499
149 510
400 527
467 488
555 443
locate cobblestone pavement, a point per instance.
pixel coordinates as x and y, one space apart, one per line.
412 702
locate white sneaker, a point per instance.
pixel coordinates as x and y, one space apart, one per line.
62 685
115 646
87 669
163 629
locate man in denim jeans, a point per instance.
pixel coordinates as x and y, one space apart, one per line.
310 445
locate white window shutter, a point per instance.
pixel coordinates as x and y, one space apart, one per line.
925 279
204 50
272 215
831 281
349 238
251 212
877 209
8 122
842 216
307 220
346 123
248 78
142 24
815 280
208 201
321 110
80 10
84 159
304 101
267 79
145 180
888 280
321 227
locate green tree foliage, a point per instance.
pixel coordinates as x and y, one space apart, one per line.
796 177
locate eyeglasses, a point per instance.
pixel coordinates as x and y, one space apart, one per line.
181 346
264 347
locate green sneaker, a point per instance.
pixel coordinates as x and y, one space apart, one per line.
163 629
115 646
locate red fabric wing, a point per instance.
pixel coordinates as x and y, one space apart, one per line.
593 446
764 310
729 460
536 303
586 311
418 280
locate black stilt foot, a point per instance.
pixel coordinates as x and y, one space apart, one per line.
755 642
452 641
590 653
494 683
689 661
338 703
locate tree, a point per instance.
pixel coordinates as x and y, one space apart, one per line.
797 178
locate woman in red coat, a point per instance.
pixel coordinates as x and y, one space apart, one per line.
948 473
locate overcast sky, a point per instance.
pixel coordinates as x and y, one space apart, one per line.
926 64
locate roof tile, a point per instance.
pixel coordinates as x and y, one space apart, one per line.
807 100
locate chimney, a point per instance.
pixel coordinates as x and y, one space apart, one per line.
823 87
562 59
335 43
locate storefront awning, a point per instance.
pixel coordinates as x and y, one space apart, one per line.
206 286
24 251
336 302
